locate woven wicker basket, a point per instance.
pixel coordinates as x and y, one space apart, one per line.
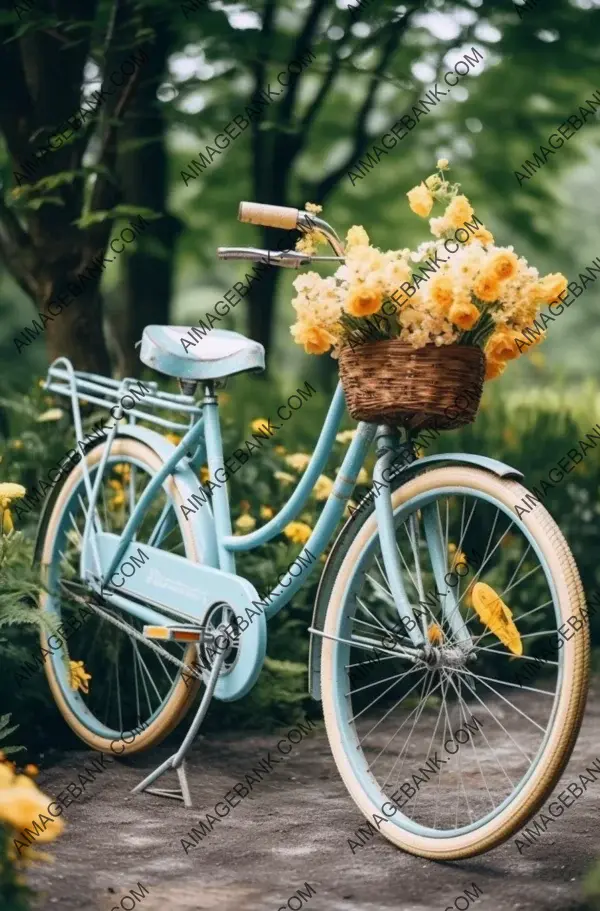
389 382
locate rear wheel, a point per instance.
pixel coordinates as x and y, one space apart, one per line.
135 695
449 755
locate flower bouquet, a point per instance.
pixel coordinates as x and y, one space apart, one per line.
417 330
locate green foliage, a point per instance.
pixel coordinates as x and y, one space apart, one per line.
6 731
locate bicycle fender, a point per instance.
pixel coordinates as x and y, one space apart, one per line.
402 474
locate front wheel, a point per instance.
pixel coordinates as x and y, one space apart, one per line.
449 750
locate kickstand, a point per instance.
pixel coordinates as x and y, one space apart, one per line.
177 760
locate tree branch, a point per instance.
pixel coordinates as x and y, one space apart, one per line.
361 137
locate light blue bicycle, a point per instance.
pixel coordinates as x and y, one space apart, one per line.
442 748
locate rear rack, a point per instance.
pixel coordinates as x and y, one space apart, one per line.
92 388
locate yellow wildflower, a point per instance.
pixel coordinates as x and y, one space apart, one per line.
258 424
459 211
21 804
285 477
420 200
442 164
315 339
297 532
8 492
345 436
280 450
298 461
323 487
313 207
356 237
245 523
266 512
53 414
78 677
463 314
363 300
173 438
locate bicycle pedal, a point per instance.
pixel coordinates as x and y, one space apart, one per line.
178 633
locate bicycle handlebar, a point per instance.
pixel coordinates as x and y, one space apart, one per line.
258 213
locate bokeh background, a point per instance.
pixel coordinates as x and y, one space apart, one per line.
207 60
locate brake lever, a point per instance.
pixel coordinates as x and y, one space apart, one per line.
289 259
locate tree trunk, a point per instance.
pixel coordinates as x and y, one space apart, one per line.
149 269
77 333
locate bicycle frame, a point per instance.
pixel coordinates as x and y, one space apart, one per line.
203 439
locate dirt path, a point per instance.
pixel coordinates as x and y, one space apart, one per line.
291 830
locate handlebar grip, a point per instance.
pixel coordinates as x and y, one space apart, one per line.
259 213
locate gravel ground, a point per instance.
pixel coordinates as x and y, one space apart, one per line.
291 830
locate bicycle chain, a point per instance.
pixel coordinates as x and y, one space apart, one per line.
131 631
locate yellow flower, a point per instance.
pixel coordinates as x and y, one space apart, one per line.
494 369
21 804
501 346
78 677
280 450
357 237
124 470
285 477
442 292
258 424
363 301
53 414
298 532
266 512
442 164
464 315
487 287
173 438
323 487
315 339
503 265
420 200
17 444
345 436
31 769
458 212
313 207
245 523
298 461
550 286
8 492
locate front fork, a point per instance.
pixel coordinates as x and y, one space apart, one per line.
390 451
